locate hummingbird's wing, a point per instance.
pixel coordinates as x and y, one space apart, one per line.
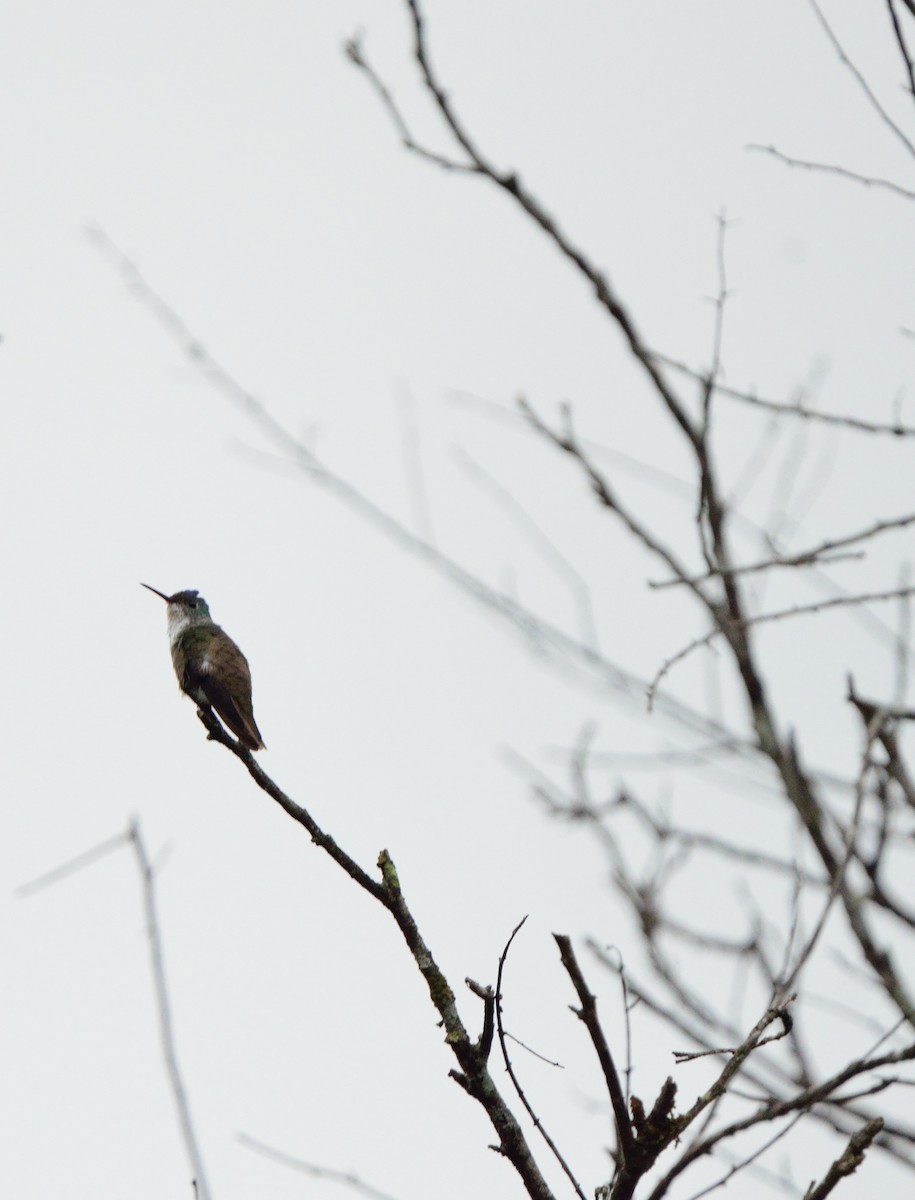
218 675
230 711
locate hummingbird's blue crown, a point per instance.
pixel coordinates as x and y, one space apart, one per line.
191 599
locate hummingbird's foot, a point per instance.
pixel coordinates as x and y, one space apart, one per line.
207 718
216 731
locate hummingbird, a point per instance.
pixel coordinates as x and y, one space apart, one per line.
210 667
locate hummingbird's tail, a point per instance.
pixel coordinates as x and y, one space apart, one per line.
241 723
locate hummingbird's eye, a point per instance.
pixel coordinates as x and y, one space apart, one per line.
193 604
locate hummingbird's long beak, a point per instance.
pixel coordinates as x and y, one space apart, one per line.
156 590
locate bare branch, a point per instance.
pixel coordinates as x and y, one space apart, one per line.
216 733
75 864
837 883
567 442
134 839
834 169
488 996
795 610
510 183
163 1009
414 469
848 1162
550 1062
803 557
714 371
346 1178
882 719
903 48
523 520
774 1109
861 81
781 408
353 50
473 1075
588 1014
778 1010
746 1162
538 1124
903 639
827 1112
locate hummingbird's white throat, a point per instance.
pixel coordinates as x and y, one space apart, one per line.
178 620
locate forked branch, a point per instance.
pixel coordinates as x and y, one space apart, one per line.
473 1073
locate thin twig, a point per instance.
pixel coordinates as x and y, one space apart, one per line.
550 1062
848 1162
861 81
803 557
353 51
588 1015
163 1008
903 48
532 530
711 380
538 1124
510 183
893 429
885 718
347 1178
749 1160
133 838
774 1109
414 469
838 880
826 1112
777 1010
567 442
488 996
75 864
903 639
837 883
874 181
795 610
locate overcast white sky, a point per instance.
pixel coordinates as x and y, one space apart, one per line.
246 167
